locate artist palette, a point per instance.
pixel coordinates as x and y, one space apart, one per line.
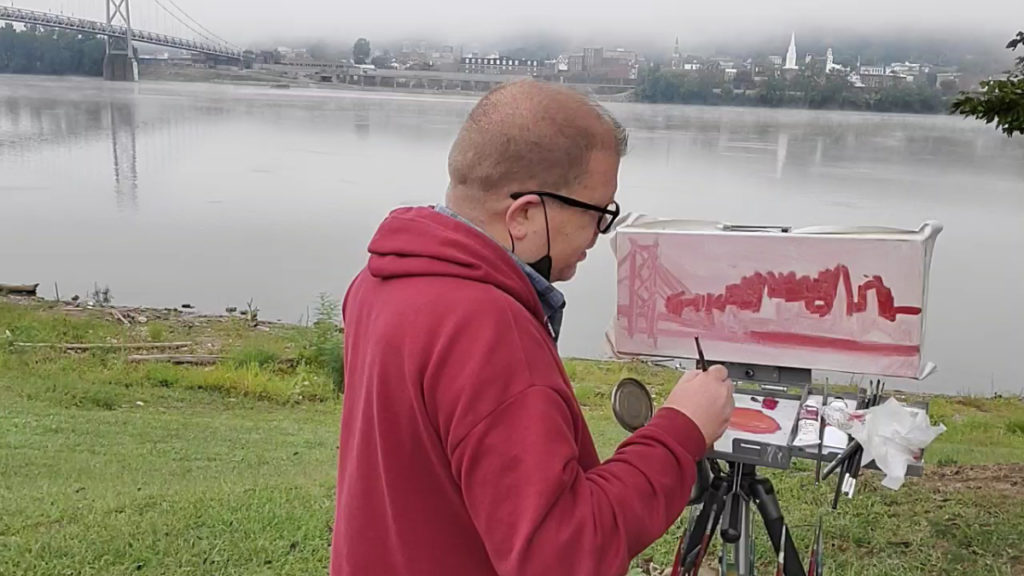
754 425
763 429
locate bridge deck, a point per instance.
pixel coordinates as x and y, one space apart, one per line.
12 14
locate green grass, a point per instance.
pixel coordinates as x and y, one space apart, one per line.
188 482
109 467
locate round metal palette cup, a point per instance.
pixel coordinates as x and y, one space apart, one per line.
632 404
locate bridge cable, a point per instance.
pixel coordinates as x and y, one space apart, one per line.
215 40
197 23
175 16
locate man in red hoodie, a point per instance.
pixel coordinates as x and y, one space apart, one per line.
463 450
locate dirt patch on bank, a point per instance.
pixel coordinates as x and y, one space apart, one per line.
1003 479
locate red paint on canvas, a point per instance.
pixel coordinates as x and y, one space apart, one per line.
794 340
818 294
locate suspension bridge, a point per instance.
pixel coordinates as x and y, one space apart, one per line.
181 31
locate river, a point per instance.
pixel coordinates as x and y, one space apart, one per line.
212 195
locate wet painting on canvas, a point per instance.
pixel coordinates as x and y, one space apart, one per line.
849 304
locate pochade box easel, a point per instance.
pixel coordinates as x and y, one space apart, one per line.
771 304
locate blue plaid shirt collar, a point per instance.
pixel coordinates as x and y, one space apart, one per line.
552 301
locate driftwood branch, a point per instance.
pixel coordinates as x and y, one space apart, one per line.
140 346
120 317
21 289
191 359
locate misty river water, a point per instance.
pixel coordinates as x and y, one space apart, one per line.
175 193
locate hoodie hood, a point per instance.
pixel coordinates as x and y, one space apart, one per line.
420 241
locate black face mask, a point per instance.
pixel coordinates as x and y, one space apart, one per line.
541 266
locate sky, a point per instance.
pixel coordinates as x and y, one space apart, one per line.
643 23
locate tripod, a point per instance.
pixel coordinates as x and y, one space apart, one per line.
730 495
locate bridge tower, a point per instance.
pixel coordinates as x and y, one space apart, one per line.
644 268
119 64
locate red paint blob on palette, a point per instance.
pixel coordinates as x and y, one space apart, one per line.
753 421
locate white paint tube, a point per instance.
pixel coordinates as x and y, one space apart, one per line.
807 425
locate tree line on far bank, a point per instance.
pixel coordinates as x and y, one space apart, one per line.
805 90
37 50
999 101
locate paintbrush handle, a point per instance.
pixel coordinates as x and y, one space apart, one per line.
853 446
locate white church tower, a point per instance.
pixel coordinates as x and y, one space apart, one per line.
791 54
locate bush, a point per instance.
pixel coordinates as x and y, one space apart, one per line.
324 348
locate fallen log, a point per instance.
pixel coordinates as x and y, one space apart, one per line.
19 289
138 346
189 359
120 317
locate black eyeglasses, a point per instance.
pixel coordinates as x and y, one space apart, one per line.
604 222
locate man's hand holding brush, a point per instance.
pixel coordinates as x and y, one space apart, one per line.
706 397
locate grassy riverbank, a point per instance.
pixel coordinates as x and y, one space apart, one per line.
112 466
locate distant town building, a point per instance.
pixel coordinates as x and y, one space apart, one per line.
446 59
775 60
905 68
595 64
562 63
575 63
500 65
946 77
593 59
879 77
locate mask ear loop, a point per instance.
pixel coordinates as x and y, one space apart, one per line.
547 226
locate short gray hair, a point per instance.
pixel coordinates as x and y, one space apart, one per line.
532 134
621 134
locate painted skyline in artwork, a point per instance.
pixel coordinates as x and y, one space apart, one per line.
831 302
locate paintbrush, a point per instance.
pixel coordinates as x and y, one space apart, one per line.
702 364
842 459
705 542
811 560
852 466
839 490
876 398
782 553
821 434
815 566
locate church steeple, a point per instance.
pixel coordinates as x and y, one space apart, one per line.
791 54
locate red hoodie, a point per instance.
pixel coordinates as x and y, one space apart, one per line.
463 450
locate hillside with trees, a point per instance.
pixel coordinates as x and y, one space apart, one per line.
37 50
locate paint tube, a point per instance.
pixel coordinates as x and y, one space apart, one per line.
807 424
834 437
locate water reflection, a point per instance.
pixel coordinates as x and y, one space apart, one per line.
780 153
126 170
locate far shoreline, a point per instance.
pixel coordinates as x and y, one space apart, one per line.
284 84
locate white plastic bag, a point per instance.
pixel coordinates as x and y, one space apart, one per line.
893 435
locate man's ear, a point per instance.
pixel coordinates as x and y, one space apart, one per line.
520 214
